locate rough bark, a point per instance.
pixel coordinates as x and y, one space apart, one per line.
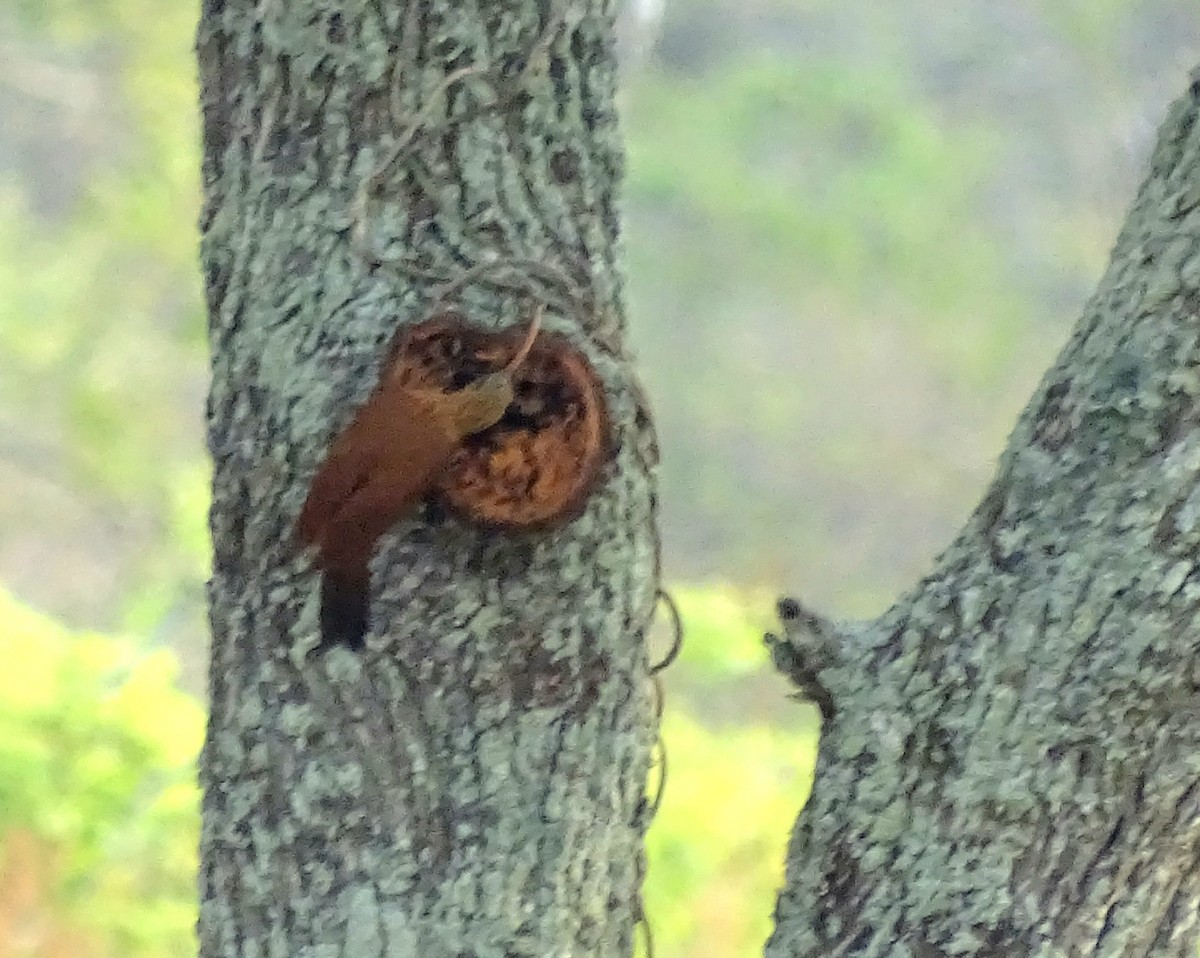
472 782
1013 764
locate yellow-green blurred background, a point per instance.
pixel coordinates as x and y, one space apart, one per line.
857 231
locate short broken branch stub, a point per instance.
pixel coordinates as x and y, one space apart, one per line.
807 647
537 466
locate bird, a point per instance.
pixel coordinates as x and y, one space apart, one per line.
378 470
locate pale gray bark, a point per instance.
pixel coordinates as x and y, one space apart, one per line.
1013 767
471 783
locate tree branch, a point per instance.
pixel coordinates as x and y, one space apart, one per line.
1014 766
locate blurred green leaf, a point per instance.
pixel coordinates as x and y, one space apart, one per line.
97 758
715 853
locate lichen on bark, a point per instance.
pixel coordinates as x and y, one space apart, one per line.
1013 767
472 782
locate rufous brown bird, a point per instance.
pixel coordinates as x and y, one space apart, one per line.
378 470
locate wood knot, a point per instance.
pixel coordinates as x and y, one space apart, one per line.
536 467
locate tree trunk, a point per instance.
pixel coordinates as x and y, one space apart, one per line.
1011 759
471 781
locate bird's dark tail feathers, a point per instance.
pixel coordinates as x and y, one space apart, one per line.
345 608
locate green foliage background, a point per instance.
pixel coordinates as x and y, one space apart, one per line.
97 773
856 233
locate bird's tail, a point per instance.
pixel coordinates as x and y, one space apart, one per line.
345 608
